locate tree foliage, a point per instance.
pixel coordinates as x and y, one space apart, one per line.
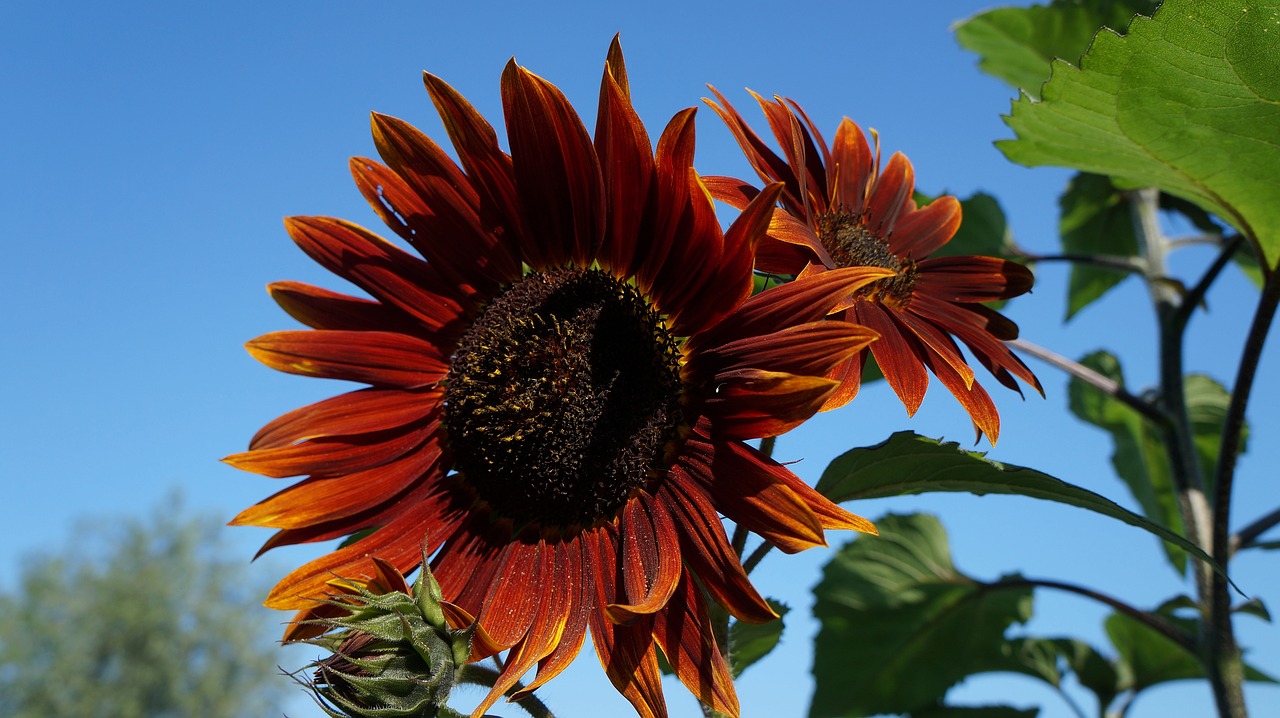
137 618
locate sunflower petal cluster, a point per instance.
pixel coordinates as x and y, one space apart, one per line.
840 208
561 378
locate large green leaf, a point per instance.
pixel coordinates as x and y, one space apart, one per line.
1188 102
1140 457
1095 219
749 642
911 464
901 625
1018 44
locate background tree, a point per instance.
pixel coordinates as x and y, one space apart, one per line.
141 617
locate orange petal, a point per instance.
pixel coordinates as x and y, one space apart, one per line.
322 309
920 233
356 412
898 359
330 457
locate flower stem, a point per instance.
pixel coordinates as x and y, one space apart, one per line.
1106 261
1173 310
1221 638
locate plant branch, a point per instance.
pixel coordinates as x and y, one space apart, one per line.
1195 296
1106 261
1146 618
756 556
485 676
1246 536
1102 383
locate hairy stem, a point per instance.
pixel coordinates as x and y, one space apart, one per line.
1221 638
485 676
1102 383
1173 313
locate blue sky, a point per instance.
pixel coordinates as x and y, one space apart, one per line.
152 149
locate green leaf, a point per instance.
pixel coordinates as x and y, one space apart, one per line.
983 232
1140 458
911 464
1148 658
749 642
1254 607
900 625
1018 44
1188 102
1092 669
1095 219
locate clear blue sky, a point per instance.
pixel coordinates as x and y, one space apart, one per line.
151 150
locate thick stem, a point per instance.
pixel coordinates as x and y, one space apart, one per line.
1184 464
1221 638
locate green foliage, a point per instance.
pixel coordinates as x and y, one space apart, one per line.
911 464
983 230
1140 457
139 619
901 625
1017 44
1095 220
1188 102
749 642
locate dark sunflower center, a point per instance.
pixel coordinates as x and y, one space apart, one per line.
851 243
562 397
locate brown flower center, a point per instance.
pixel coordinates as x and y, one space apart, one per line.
851 243
562 397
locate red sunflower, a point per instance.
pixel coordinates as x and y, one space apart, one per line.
842 210
559 391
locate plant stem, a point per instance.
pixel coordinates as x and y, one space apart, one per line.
756 556
485 676
1146 618
1102 383
1195 296
1221 638
1106 261
1245 537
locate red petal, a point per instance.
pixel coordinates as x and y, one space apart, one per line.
767 164
378 358
650 568
849 374
512 605
627 654
556 171
852 170
321 499
626 162
575 627
703 543
356 412
322 309
684 633
386 272
973 279
899 360
891 195
399 542
924 231
335 456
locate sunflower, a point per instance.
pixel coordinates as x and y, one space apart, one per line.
559 391
842 210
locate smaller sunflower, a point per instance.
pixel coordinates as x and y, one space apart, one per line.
843 210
